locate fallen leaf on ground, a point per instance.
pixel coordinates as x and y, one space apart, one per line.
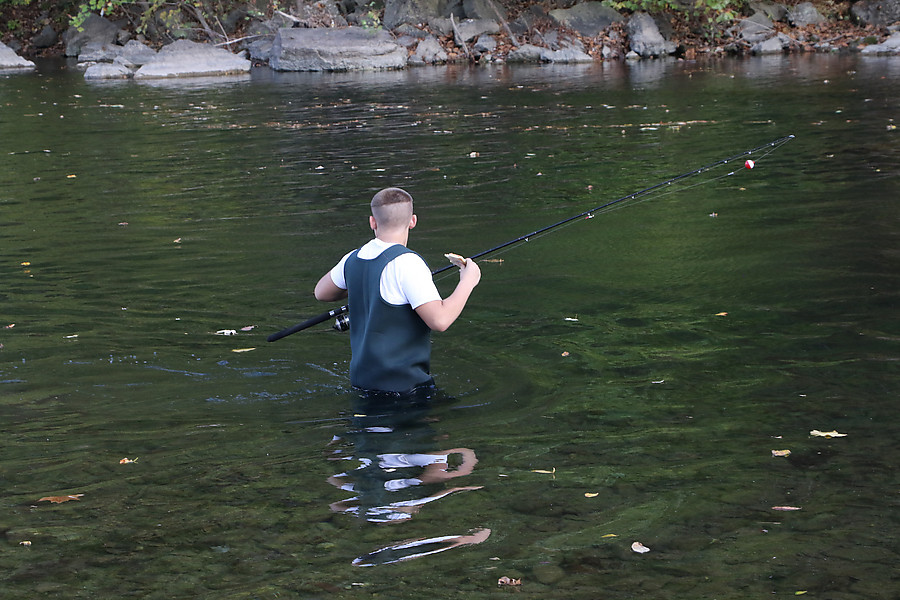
785 508
508 581
61 499
826 434
781 452
640 548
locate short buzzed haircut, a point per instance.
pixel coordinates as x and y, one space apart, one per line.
390 196
392 207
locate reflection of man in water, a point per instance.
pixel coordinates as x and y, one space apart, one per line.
397 472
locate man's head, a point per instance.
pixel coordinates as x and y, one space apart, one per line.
392 209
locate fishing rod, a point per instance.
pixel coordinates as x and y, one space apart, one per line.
335 312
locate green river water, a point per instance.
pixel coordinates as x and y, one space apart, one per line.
624 379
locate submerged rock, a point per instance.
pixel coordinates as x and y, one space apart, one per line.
191 59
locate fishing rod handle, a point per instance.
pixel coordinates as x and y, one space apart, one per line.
307 324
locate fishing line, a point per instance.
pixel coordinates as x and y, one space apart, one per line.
588 214
604 211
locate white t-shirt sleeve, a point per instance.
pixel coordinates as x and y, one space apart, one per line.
407 280
337 273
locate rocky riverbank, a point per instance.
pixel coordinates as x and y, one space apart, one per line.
329 36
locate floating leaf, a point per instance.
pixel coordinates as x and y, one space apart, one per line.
248 328
591 494
61 499
544 471
566 353
609 535
508 581
126 461
785 508
781 452
226 332
25 543
826 434
243 349
722 314
640 548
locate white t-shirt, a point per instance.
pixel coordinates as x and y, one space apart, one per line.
405 280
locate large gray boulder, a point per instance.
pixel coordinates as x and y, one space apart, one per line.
344 49
876 12
191 59
805 14
645 38
483 9
11 60
588 18
136 53
568 53
525 53
397 12
428 52
774 45
470 29
756 28
772 10
95 29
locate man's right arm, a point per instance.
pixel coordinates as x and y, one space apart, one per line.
440 314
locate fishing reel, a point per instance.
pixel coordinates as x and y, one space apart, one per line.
342 323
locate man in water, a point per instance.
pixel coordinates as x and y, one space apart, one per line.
393 300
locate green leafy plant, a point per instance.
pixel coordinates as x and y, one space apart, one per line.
371 19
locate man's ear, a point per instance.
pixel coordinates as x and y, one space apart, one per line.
372 224
412 221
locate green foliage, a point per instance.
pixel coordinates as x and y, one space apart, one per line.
707 14
371 19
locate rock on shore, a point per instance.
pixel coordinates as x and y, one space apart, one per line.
336 49
9 60
326 35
